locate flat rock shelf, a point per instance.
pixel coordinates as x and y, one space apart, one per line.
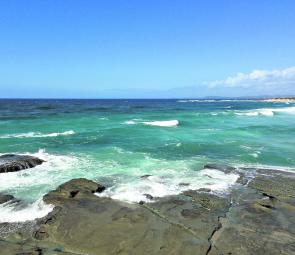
257 217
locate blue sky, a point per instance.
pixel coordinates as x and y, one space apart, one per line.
155 48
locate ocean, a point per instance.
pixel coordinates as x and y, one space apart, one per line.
116 142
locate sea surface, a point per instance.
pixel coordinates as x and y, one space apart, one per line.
115 142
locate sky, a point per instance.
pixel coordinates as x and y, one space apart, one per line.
146 49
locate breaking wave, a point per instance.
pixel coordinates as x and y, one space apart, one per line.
160 186
164 123
37 134
9 212
167 123
268 111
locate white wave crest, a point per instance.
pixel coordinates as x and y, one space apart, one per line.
159 123
268 111
166 123
10 212
38 134
130 122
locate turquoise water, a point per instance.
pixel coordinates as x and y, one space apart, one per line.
117 141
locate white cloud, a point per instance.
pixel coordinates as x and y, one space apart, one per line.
259 79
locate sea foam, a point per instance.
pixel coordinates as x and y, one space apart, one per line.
160 186
23 185
37 134
10 212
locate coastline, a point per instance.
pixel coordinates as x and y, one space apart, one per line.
257 208
278 100
155 191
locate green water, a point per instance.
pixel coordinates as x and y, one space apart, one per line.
117 141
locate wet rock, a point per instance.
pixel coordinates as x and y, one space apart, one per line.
88 224
204 190
224 168
183 184
5 198
255 218
148 196
13 162
76 188
145 176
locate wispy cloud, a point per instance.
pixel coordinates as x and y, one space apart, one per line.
284 78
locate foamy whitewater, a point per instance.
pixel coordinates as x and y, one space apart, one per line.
138 147
37 134
163 123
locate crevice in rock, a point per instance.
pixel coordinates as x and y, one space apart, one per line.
267 206
217 229
163 217
269 196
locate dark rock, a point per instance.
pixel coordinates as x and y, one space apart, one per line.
5 198
72 189
13 162
148 196
81 227
204 190
255 218
224 168
145 176
183 184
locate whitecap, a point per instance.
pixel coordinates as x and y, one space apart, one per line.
269 112
130 122
266 112
165 123
254 155
38 134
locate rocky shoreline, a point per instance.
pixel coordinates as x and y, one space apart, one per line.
279 100
257 216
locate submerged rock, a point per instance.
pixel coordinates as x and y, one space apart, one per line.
13 162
